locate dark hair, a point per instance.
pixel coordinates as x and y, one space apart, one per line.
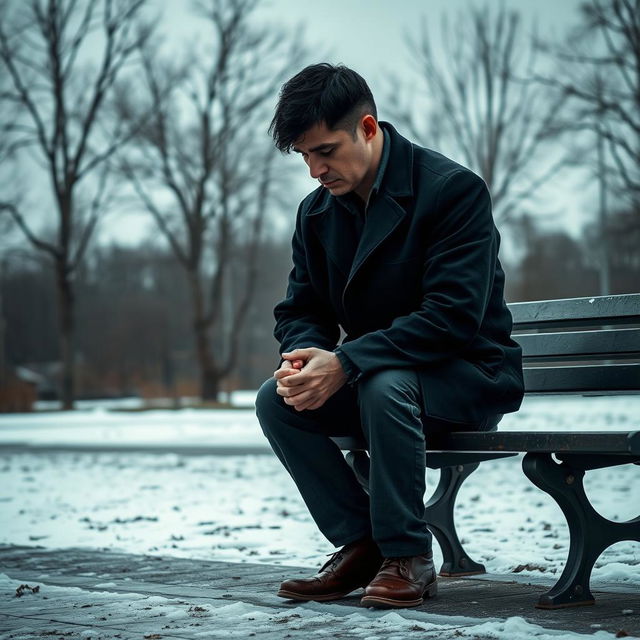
334 95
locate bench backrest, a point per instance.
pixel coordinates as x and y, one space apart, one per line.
580 345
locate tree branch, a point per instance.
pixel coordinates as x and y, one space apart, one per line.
18 218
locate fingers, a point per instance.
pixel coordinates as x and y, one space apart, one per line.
283 373
313 403
299 391
288 377
288 367
298 354
301 400
285 389
287 370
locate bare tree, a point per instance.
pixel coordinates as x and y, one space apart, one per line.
601 77
482 106
601 59
48 50
204 167
9 196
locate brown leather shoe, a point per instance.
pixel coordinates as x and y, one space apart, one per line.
348 569
402 582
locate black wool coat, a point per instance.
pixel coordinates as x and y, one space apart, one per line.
424 291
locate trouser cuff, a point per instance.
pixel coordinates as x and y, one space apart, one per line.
343 540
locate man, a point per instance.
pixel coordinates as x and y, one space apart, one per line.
398 248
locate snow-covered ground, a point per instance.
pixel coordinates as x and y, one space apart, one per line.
161 617
168 429
245 508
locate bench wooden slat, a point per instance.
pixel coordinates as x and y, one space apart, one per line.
603 310
606 343
603 442
604 378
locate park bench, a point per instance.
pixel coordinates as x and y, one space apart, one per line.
580 346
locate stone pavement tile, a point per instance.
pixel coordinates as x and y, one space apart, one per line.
262 578
75 559
63 631
32 629
9 550
210 573
99 562
218 570
6 622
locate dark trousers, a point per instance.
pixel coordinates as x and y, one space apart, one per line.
385 407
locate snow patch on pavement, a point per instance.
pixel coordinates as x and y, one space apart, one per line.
105 614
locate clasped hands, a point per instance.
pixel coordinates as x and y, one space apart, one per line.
309 377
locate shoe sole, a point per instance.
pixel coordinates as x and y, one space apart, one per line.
292 595
379 601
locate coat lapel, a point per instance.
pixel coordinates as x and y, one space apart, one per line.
330 225
384 215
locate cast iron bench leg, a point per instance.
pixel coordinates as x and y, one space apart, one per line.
590 533
439 515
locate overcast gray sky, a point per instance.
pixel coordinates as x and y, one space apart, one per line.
371 37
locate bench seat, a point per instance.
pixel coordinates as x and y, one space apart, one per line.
602 442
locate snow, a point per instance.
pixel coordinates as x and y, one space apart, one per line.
99 427
225 508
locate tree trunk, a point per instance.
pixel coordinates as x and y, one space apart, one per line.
209 385
66 333
209 374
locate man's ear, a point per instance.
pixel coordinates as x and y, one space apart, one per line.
369 127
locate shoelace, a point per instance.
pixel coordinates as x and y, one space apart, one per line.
333 560
401 563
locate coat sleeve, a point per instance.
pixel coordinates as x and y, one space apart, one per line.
302 318
458 274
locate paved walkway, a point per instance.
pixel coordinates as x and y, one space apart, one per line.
103 595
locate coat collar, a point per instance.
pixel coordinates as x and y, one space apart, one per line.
397 180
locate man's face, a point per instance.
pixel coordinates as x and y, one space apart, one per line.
340 163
